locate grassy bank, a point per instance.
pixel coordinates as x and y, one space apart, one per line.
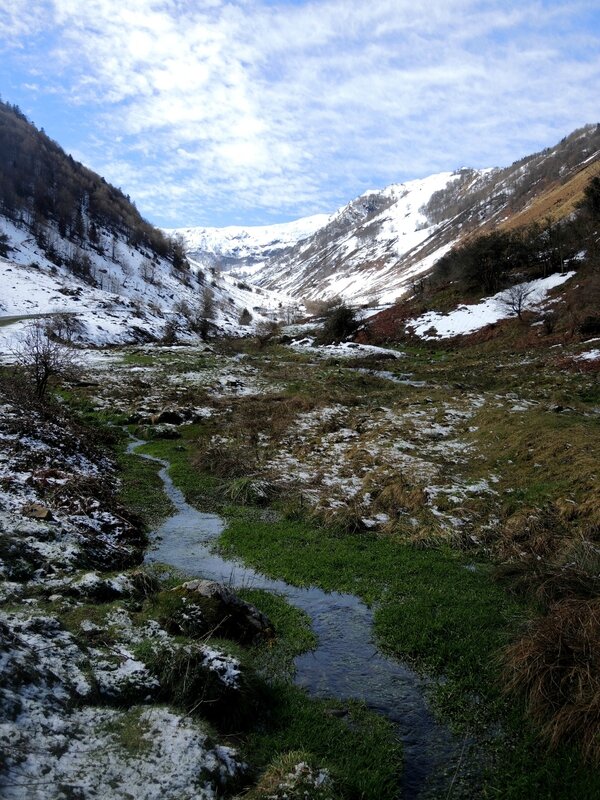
482 454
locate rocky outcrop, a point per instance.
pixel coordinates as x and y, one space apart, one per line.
217 606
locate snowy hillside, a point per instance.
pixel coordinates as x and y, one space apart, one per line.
352 254
120 293
375 248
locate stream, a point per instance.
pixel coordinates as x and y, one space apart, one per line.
346 663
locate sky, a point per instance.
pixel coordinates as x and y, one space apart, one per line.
222 112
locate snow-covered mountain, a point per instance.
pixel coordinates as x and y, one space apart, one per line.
248 247
71 243
373 249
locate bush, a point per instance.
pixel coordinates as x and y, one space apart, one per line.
555 665
340 323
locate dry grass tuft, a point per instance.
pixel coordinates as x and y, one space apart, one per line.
550 582
536 532
229 459
347 518
555 665
400 495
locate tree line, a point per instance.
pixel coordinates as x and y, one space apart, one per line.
489 262
41 184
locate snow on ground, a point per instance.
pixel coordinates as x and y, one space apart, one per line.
341 350
53 748
467 319
589 355
58 738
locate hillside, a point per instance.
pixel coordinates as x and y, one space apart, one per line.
374 248
72 243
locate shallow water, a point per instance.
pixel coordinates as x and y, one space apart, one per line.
345 665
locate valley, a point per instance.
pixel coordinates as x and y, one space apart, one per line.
403 477
303 511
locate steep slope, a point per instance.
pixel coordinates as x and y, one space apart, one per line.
375 247
70 242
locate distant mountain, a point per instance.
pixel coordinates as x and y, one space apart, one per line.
249 248
69 241
374 248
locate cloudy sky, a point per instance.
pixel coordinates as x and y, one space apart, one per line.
216 112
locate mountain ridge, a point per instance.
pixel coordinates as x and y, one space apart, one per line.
372 249
70 243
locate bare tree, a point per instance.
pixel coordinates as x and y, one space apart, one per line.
64 326
44 358
265 331
516 299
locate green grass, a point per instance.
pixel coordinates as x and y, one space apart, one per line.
202 491
446 615
142 491
356 745
433 606
130 731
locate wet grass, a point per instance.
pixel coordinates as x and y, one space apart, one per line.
142 490
358 747
438 608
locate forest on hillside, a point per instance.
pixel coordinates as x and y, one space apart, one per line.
40 185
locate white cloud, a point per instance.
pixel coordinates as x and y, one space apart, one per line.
249 105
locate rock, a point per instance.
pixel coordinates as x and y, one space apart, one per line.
236 619
36 511
168 417
92 586
164 431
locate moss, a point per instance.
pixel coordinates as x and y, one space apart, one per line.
130 731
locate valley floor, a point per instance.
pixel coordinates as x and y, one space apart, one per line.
454 491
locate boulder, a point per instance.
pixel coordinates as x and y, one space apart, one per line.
168 417
36 511
234 618
164 431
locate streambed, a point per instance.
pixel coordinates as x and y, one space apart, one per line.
346 663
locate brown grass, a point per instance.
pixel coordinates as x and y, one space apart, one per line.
549 583
400 495
555 665
557 202
534 532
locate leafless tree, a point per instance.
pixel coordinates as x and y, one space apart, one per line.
64 326
44 358
517 299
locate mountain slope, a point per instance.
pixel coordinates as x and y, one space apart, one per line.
236 246
376 246
70 242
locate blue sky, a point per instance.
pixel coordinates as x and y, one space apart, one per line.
217 112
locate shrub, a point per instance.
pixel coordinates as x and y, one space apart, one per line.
555 665
42 358
340 323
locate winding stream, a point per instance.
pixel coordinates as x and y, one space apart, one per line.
345 665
